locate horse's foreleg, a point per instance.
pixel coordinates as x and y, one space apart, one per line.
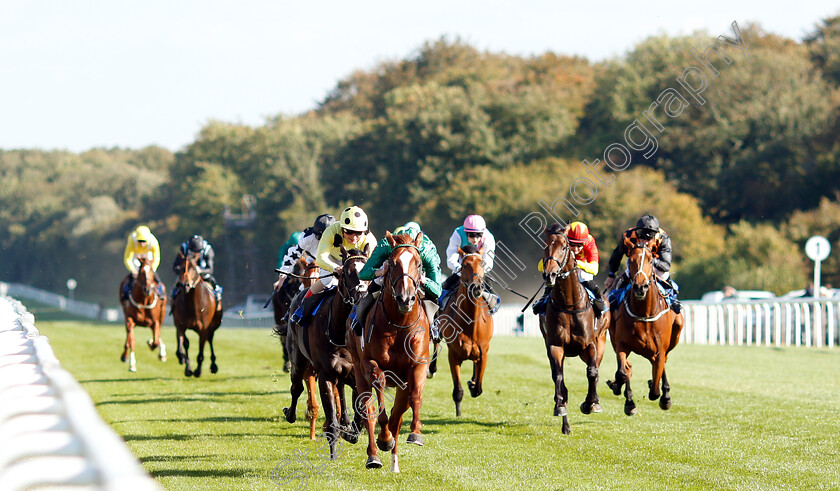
415 400
132 362
394 423
622 377
591 404
478 374
657 365
331 424
665 400
296 389
202 339
457 390
185 343
213 367
364 405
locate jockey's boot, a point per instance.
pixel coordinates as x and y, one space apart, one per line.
493 301
431 308
598 302
309 305
360 313
175 290
676 306
539 305
435 328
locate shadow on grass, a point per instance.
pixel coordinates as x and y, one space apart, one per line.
201 473
155 400
170 458
181 437
218 419
149 379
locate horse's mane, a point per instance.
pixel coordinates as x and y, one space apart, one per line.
403 239
470 249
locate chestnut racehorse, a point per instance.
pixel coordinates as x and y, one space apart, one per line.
195 308
467 326
323 344
393 351
299 366
145 306
646 325
569 325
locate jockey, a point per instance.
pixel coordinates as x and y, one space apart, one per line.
646 232
376 267
293 240
473 232
585 249
206 256
307 245
350 231
141 242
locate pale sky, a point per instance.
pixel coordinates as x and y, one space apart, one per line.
102 73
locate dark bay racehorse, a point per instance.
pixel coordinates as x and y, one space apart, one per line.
145 306
569 325
393 351
301 371
323 344
195 308
646 325
467 326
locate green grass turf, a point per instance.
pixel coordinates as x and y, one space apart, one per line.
742 418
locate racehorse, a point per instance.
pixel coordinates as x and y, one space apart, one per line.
393 351
324 346
467 326
282 299
646 325
299 366
195 307
145 306
569 325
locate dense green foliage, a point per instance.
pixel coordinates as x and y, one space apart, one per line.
730 427
740 181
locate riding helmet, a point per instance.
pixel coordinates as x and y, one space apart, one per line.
196 243
475 224
648 222
578 233
354 218
322 222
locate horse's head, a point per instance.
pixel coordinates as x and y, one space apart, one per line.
145 276
558 260
640 268
404 267
472 270
189 276
352 288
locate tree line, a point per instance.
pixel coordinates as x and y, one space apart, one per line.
739 182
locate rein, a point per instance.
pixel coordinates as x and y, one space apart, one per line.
563 276
648 281
346 298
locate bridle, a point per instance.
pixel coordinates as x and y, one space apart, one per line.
470 281
347 294
148 289
392 284
641 271
567 253
647 283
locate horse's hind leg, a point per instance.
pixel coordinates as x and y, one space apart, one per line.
311 401
331 423
185 347
394 423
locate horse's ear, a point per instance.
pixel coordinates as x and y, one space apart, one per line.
390 238
367 249
343 252
461 251
419 239
481 251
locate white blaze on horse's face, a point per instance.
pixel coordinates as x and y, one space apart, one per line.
404 259
363 285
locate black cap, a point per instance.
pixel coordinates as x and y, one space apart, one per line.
648 222
322 222
196 243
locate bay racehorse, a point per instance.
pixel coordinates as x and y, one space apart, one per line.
301 371
323 343
393 351
644 324
281 300
569 325
467 326
145 306
195 308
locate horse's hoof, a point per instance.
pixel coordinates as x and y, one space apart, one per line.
664 403
560 411
132 368
197 373
162 358
630 410
351 438
415 438
373 462
214 368
151 344
290 415
430 374
188 372
566 429
614 387
385 446
590 408
475 391
122 357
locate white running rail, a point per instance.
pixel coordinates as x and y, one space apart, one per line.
50 433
